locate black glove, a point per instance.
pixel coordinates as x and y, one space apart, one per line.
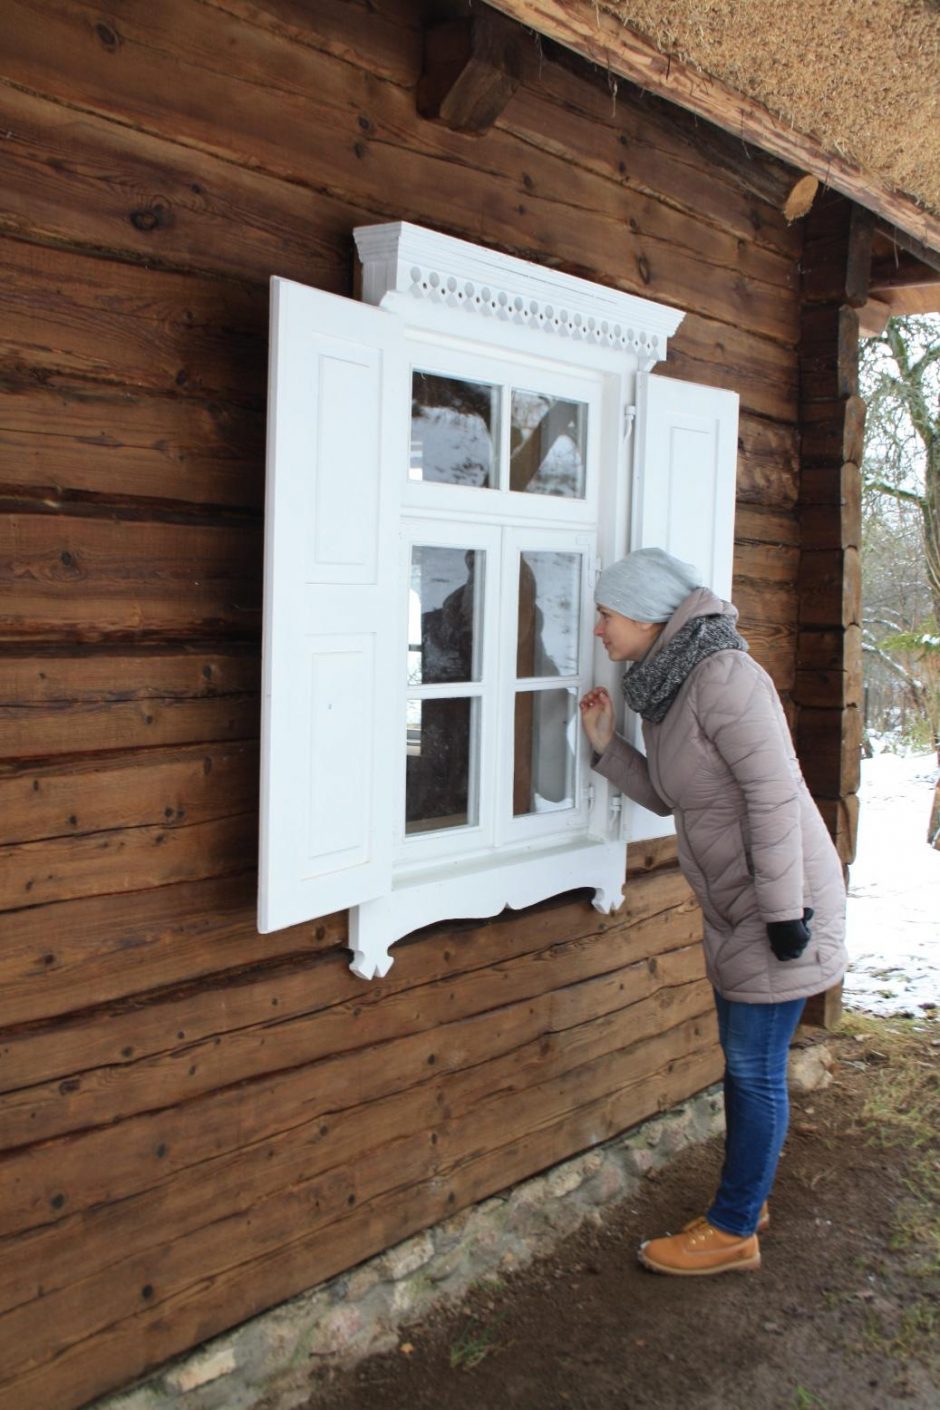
789 938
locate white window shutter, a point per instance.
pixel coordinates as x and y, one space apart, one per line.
685 473
684 486
337 448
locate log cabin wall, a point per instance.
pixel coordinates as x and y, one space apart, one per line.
197 1121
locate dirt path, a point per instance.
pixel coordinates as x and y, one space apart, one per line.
844 1314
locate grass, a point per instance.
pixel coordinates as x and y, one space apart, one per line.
902 1110
475 1342
914 1336
804 1399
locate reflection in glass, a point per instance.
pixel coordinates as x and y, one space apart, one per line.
545 748
549 614
454 431
548 441
444 614
441 768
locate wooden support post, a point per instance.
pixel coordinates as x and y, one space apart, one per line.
827 692
472 67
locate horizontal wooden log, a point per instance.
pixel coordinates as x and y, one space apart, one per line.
835 526
830 588
822 649
768 462
127 859
765 525
763 373
765 607
61 959
127 1068
67 957
828 352
43 1189
153 788
386 43
836 486
480 1108
109 322
829 746
63 438
829 674
150 1336
836 260
321 1021
657 852
344 126
59 704
143 198
768 562
833 432
647 145
841 818
774 648
89 579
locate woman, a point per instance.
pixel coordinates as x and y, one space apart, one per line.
753 847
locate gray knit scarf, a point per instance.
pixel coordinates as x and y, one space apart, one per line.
650 687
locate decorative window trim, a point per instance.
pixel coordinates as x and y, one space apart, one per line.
427 267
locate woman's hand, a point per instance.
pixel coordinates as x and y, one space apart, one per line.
597 717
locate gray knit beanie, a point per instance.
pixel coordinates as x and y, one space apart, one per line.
647 585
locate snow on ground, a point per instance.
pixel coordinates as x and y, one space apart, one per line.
894 890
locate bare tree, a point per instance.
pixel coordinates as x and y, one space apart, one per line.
901 384
900 378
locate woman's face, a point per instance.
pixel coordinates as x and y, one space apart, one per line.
623 638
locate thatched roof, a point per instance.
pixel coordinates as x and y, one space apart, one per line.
846 89
861 77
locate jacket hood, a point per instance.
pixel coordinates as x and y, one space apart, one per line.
701 602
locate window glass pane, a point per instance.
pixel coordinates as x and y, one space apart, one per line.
444 615
546 743
441 770
454 431
549 614
548 445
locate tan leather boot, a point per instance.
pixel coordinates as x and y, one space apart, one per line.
763 1220
699 1250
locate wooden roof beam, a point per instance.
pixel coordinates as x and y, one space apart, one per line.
889 238
472 67
600 37
902 271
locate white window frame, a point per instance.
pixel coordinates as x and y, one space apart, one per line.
335 614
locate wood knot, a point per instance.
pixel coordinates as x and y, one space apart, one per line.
109 37
153 217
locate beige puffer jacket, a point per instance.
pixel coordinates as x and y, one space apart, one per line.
752 844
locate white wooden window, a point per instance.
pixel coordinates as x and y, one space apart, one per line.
450 463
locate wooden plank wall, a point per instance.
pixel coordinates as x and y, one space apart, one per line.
197 1121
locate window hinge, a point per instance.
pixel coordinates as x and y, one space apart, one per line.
629 416
616 805
591 793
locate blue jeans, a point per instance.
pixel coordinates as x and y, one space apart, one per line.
755 1039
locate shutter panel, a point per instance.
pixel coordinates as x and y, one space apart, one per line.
337 441
683 500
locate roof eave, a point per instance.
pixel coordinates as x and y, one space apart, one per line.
601 38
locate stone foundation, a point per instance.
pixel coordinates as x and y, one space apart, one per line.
270 1362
